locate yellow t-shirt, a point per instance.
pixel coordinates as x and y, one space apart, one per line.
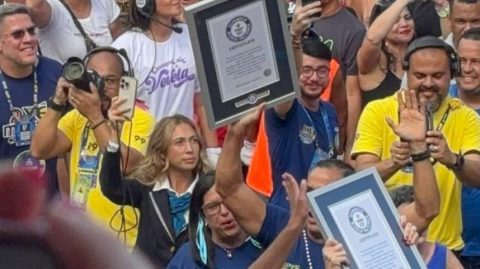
98 206
462 133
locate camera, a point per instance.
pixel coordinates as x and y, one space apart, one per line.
76 73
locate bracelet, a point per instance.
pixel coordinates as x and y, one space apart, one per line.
98 124
420 156
56 107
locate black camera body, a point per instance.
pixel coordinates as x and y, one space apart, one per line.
76 73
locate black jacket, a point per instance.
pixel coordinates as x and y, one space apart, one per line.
156 237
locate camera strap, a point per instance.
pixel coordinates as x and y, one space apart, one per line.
88 41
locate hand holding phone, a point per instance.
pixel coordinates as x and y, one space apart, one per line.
306 2
128 92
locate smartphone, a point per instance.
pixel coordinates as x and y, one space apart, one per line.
306 2
23 247
128 91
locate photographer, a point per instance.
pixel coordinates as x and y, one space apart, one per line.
84 133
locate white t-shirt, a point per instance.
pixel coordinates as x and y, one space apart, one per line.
166 73
61 39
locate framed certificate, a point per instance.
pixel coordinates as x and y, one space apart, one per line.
358 212
243 56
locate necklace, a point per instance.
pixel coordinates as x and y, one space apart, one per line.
229 252
307 249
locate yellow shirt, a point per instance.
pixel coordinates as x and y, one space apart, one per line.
98 206
462 133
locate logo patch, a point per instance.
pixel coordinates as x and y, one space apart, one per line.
359 220
239 28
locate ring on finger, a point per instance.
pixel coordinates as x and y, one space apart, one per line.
434 148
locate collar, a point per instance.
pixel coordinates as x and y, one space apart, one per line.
165 185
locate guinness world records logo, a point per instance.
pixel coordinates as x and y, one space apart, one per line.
359 220
239 28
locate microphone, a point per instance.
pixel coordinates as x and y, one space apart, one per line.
176 29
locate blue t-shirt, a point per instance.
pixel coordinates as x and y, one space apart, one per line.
470 212
439 258
292 143
242 257
275 220
21 92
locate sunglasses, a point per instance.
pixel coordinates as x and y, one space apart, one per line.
20 33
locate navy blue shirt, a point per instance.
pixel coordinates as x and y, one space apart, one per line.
275 220
242 257
21 92
470 212
292 143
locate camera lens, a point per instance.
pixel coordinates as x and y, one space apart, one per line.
73 71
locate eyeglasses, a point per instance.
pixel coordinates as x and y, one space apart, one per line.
212 208
322 72
20 33
110 81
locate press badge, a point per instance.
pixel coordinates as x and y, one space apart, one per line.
80 191
87 167
24 128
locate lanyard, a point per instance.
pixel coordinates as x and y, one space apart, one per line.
327 126
83 144
9 98
444 118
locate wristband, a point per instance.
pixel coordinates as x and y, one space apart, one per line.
420 156
54 106
98 124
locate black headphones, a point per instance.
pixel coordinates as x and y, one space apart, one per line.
145 7
120 52
433 42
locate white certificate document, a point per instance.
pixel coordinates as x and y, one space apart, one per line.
242 50
367 233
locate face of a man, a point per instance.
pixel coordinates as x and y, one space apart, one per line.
429 75
320 177
313 77
469 55
463 17
18 40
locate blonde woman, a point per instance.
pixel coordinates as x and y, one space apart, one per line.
163 184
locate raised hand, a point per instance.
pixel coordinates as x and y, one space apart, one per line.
248 121
412 121
334 254
303 16
297 195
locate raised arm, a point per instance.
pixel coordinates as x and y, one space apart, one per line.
369 53
249 210
41 12
277 253
302 19
412 129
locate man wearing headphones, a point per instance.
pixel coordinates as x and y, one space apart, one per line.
84 133
454 150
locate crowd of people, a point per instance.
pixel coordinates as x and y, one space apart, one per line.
389 84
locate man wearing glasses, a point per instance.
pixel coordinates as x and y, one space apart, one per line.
26 82
301 132
84 132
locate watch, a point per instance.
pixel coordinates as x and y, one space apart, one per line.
54 106
112 146
459 161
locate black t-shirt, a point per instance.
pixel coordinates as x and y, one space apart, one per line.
427 21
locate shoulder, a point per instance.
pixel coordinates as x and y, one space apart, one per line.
48 63
183 258
129 38
142 116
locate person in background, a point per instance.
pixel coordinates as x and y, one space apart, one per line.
161 186
467 89
379 59
464 14
26 83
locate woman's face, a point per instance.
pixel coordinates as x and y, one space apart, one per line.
403 30
168 8
183 153
219 218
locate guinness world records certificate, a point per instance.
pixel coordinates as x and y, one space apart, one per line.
358 212
243 54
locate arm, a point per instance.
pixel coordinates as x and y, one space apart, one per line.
277 253
41 12
116 28
452 261
48 141
369 53
208 135
385 168
354 101
249 210
302 19
114 187
339 100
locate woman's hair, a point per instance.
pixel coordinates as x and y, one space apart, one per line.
154 167
402 195
378 9
138 20
199 234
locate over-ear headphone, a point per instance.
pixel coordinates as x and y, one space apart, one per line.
433 42
145 7
119 52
